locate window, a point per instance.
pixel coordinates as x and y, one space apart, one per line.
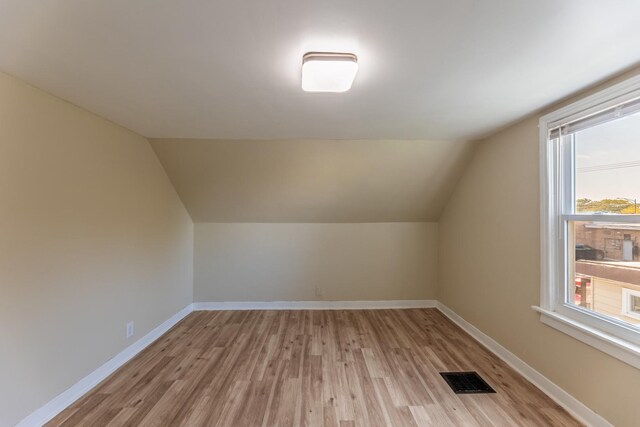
631 303
590 220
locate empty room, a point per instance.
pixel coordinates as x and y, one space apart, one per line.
350 213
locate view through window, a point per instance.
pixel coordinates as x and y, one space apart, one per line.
604 254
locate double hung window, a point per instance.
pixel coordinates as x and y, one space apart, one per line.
590 225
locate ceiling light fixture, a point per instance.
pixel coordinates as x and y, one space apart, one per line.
328 71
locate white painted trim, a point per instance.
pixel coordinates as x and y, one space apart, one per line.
572 405
312 305
616 347
73 393
564 399
556 208
601 100
608 218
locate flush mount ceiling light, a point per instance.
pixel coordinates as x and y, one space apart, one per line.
328 72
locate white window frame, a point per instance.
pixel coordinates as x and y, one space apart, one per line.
615 337
627 295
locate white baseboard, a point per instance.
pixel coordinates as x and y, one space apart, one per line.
312 305
576 408
66 398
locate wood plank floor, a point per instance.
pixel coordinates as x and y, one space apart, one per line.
312 368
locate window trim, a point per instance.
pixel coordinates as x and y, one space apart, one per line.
604 333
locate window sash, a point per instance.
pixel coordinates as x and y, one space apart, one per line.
606 334
610 325
627 219
565 173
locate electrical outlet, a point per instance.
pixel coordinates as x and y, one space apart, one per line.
130 329
318 291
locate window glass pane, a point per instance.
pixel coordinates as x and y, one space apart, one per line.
635 304
607 162
605 266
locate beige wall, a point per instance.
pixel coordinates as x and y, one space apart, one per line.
271 262
320 181
92 235
489 273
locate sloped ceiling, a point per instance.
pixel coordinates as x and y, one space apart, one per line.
312 180
430 70
230 69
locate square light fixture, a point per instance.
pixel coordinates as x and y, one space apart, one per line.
328 72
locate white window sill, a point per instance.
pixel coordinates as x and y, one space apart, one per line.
613 346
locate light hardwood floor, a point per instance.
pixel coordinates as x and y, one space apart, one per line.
312 368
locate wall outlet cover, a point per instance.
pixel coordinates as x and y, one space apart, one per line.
129 329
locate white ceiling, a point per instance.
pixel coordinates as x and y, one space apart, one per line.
313 181
231 68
